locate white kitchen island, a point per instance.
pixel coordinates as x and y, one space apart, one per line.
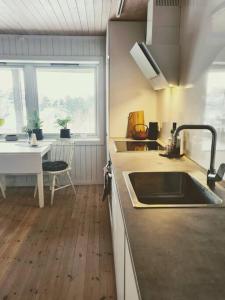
19 158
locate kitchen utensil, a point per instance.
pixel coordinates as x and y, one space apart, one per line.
153 130
140 132
136 117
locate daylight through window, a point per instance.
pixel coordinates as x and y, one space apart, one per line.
12 100
54 91
67 93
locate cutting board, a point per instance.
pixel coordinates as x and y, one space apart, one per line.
135 117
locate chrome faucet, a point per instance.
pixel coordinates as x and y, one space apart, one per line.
212 175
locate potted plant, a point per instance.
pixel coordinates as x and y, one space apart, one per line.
64 131
36 124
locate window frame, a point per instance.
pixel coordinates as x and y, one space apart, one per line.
31 93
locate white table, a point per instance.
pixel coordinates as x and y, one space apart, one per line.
20 158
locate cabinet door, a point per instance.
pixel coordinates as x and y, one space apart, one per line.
131 292
118 242
113 212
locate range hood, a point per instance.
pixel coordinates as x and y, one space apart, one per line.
158 63
148 66
159 60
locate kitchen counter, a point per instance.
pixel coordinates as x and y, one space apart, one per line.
177 253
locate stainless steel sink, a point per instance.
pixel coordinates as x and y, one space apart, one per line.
168 189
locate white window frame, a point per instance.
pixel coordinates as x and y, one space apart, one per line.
31 94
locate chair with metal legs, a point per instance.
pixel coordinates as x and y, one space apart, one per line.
60 164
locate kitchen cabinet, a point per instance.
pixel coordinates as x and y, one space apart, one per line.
118 242
131 292
125 279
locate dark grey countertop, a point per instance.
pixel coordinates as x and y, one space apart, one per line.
178 253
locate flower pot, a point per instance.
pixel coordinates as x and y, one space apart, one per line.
39 134
65 133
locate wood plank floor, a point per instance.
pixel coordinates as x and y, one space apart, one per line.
60 252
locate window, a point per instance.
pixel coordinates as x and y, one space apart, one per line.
215 97
54 91
12 100
67 92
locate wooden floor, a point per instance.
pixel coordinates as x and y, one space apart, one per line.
60 252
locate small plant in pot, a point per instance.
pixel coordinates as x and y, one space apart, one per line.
64 131
36 124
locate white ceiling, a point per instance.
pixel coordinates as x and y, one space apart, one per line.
67 17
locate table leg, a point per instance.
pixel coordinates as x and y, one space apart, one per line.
40 189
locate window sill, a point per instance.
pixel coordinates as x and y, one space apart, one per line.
77 141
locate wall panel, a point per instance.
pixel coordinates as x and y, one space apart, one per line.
14 46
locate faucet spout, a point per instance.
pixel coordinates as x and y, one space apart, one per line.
212 176
213 144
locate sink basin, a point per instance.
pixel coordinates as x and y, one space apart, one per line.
168 189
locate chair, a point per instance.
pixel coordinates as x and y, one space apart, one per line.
61 157
2 188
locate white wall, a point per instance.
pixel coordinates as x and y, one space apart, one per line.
128 89
89 158
198 99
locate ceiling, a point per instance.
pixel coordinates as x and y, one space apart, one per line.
65 17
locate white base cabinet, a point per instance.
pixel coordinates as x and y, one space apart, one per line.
130 292
118 234
125 280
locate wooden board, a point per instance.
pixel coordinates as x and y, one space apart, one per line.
136 117
73 17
